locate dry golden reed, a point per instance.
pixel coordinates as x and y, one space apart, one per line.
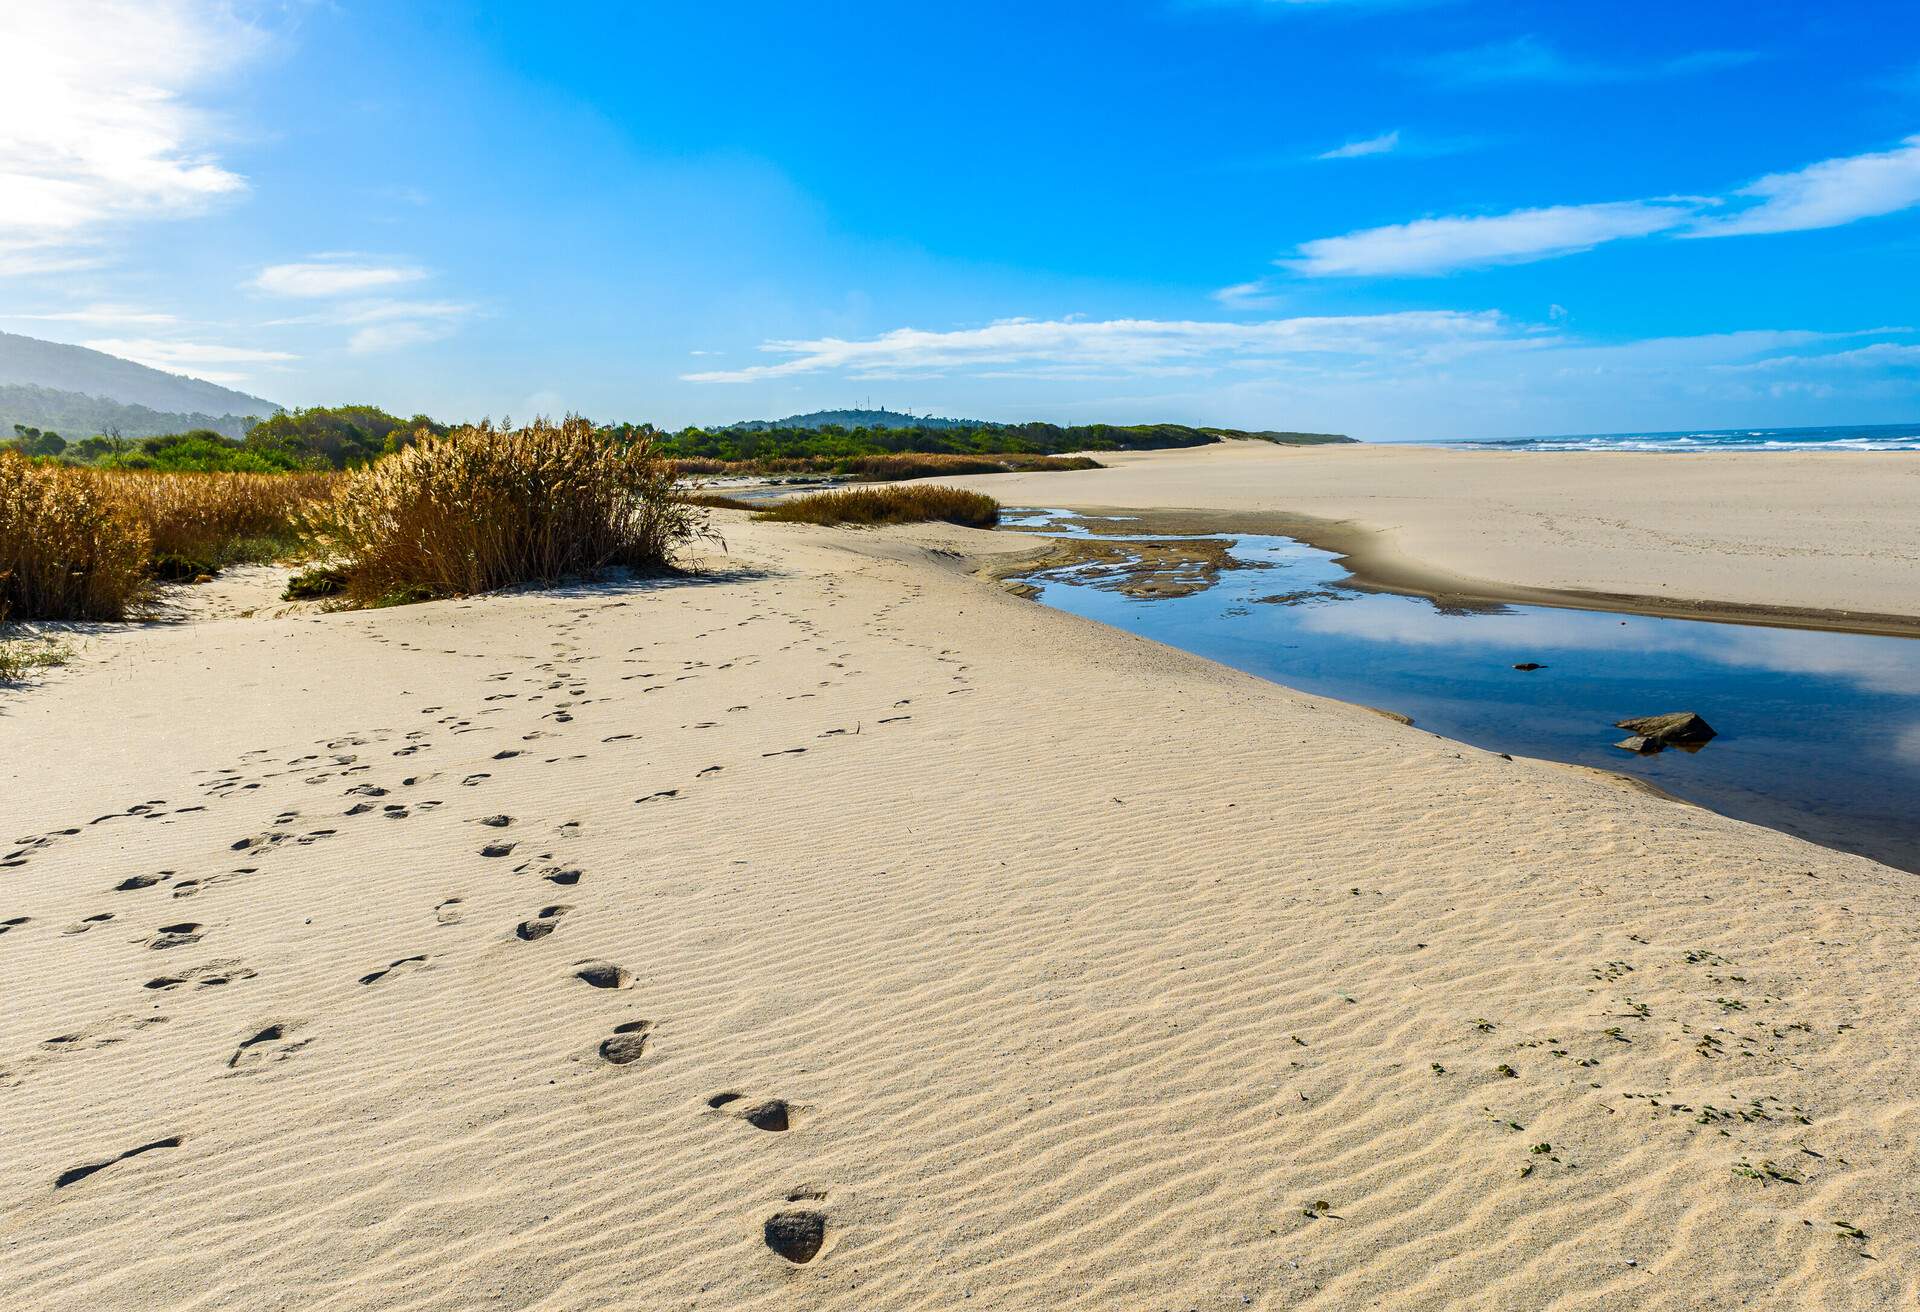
485 507
888 505
70 549
202 521
82 543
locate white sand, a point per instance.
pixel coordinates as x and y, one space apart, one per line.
1833 531
1088 968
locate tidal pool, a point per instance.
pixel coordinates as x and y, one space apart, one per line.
1819 732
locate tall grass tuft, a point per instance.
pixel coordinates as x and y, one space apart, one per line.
485 507
888 505
202 522
70 549
885 468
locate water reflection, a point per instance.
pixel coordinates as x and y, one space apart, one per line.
1819 732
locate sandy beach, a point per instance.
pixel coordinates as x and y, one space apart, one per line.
1822 539
543 950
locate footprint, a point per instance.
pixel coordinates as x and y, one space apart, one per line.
82 926
498 849
13 923
796 1236
75 1174
251 1050
175 936
565 878
604 975
211 975
768 1115
449 912
541 925
496 821
627 1042
132 882
388 969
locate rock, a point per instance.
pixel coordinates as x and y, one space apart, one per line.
1530 665
1669 730
1644 746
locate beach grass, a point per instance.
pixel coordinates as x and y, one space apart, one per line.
70 548
886 468
85 544
888 505
21 656
486 507
718 501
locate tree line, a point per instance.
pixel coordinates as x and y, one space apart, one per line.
339 437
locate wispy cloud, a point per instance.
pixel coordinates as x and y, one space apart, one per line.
1823 195
1127 346
395 334
324 276
96 122
114 314
189 357
1384 144
1431 246
1529 59
341 279
1246 295
350 313
1827 194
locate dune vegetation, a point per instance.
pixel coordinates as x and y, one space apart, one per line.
70 549
485 507
86 544
884 468
887 505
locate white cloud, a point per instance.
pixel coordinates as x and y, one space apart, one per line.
1130 347
188 357
1824 195
397 334
382 323
1245 294
1827 194
95 121
1430 246
378 311
332 276
120 314
1383 144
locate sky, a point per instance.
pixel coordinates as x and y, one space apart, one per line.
1397 219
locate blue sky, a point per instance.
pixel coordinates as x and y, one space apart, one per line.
1390 219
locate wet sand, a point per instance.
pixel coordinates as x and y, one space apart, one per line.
1813 540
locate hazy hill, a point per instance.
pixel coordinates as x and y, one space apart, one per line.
850 419
77 392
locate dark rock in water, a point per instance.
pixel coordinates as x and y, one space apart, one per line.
1643 745
1530 665
1669 730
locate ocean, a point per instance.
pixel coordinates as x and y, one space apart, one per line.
1843 437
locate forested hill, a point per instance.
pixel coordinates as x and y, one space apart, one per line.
849 419
775 443
79 391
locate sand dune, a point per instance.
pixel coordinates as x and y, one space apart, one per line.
596 948
1779 532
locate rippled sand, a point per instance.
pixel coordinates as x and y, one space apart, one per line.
841 931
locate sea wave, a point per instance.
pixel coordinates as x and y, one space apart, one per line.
1874 437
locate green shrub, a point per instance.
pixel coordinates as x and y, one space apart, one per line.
316 582
485 507
888 505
